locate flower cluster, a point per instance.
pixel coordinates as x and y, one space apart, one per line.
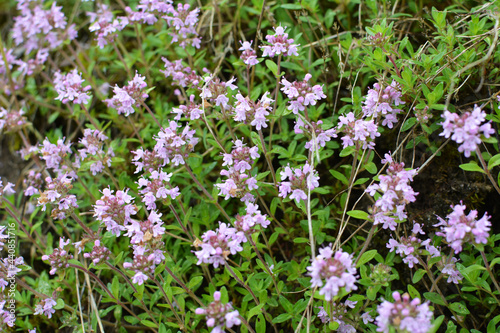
98 254
280 44
148 11
105 26
382 101
357 131
466 129
182 76
126 98
54 154
59 257
217 245
6 189
337 270
409 247
249 56
301 94
251 112
191 111
11 121
215 91
39 28
157 188
56 191
146 160
300 180
403 315
9 267
219 315
174 147
253 217
115 210
93 150
46 307
142 231
184 23
396 193
459 228
450 269
239 181
69 87
318 137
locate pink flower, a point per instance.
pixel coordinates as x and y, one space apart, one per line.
174 146
46 307
403 315
299 181
280 44
382 102
301 94
219 315
249 56
59 257
126 98
69 87
357 131
337 270
466 129
105 26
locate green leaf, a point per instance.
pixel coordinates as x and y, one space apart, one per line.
366 257
459 308
358 214
281 318
494 161
436 324
272 67
148 323
418 275
471 166
371 168
115 287
434 298
260 325
408 124
195 281
255 310
291 6
339 176
413 292
300 240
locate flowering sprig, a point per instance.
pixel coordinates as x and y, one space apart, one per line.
218 245
253 113
301 94
280 44
300 180
249 56
317 135
99 253
54 154
219 315
239 182
157 187
105 25
216 91
115 211
148 11
181 75
338 311
130 96
337 270
192 111
93 142
396 193
357 131
46 307
459 228
466 129
183 21
59 258
57 192
69 87
383 102
174 147
253 217
6 189
403 315
11 121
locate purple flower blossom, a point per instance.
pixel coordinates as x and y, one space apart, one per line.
105 26
300 180
215 91
183 21
466 129
6 189
396 193
11 121
99 253
157 188
57 192
253 217
59 257
338 310
93 151
45 307
239 182
191 111
459 228
217 245
251 112
148 11
147 256
129 96
249 56
53 154
174 147
219 315
147 160
381 101
337 270
451 270
115 210
182 76
301 94
140 232
69 87
317 135
403 315
280 44
357 131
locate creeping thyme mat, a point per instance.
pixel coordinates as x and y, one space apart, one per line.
249 166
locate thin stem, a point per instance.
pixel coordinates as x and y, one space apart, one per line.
183 286
172 208
492 276
268 159
249 237
486 170
181 322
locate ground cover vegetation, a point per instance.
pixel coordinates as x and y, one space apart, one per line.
250 166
